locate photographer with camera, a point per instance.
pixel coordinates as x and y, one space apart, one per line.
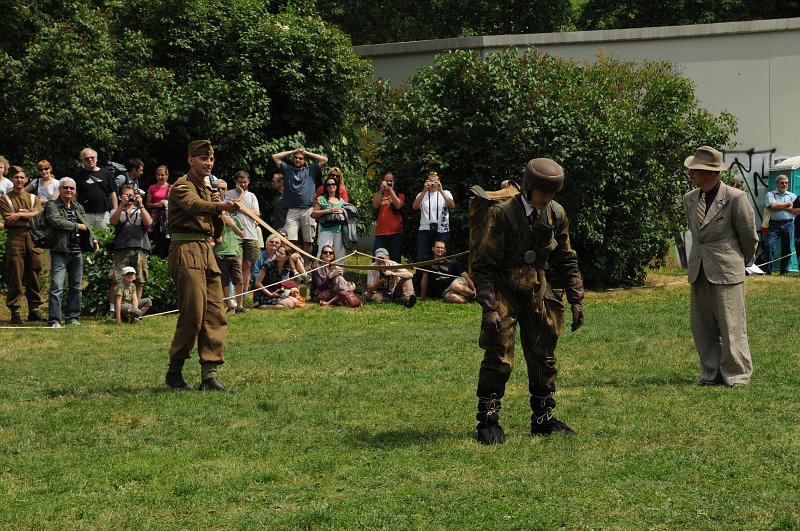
433 203
389 222
384 285
131 222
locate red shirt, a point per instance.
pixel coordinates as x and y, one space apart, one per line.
390 220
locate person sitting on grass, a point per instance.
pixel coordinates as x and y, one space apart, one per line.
328 280
127 305
271 293
447 280
271 245
389 284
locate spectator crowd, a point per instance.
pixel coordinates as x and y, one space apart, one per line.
310 209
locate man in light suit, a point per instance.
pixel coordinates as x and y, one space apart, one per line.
724 241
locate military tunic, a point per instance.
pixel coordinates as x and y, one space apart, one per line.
512 261
23 259
193 220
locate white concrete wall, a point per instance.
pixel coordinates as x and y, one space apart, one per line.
751 69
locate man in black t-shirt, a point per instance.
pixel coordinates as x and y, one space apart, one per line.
96 190
447 279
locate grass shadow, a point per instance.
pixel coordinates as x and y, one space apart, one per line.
402 438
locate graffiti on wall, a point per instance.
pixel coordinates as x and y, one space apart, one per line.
752 166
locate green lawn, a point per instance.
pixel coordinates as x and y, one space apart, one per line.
364 418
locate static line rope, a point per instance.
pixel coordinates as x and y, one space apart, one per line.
367 267
258 289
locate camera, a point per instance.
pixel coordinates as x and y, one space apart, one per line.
433 227
389 183
131 199
430 185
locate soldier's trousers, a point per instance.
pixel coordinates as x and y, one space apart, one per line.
540 328
202 314
23 266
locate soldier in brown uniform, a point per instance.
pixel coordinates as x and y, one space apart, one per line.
23 259
194 218
523 239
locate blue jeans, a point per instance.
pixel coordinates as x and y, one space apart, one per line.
62 264
392 243
783 231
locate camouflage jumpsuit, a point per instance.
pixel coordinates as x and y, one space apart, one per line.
511 261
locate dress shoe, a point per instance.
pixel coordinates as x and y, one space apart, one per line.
174 380
15 318
410 301
35 316
211 384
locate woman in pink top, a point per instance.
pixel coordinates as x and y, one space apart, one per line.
336 173
157 202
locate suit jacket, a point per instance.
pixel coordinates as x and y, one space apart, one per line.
726 241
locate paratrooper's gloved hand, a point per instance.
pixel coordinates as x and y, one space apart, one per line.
577 316
490 321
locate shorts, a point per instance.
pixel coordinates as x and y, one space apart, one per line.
449 290
135 258
250 250
299 220
230 268
99 220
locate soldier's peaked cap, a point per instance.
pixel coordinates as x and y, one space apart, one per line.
200 148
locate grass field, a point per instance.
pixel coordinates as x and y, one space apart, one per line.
364 418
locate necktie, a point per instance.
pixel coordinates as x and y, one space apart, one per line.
701 208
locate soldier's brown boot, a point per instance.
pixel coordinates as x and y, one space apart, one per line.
174 380
212 384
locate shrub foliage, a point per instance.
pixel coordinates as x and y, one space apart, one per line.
620 130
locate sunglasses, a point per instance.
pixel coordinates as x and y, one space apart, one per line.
330 184
326 252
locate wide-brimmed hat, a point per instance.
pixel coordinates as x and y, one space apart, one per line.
706 158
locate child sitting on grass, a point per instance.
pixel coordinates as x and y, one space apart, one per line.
126 304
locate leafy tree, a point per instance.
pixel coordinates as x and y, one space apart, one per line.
370 22
616 14
620 130
145 77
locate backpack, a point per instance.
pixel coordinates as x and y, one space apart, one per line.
42 234
479 206
116 170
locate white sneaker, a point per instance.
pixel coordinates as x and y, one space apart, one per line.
54 324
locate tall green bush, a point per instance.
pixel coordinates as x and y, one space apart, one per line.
620 130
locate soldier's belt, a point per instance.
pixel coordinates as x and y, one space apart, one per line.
530 258
188 236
